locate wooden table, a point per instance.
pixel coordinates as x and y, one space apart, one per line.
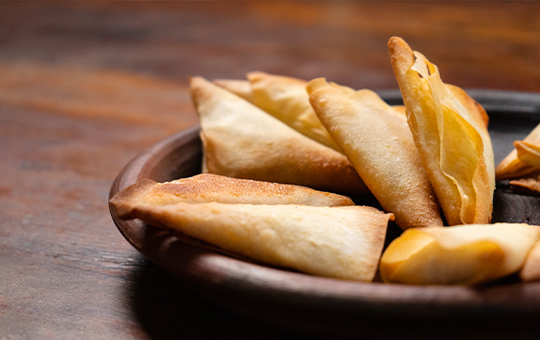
84 87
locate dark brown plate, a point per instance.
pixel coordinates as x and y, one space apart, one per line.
323 307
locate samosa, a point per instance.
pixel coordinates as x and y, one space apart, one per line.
462 255
338 242
451 136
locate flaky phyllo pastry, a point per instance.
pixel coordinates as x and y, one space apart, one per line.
241 140
341 241
450 132
464 255
378 142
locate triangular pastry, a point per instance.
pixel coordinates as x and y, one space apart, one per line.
463 255
378 142
240 140
338 242
205 188
451 137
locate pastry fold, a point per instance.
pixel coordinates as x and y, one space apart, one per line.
461 255
379 144
205 188
240 140
451 136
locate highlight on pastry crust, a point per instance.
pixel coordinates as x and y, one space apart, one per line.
450 134
459 255
339 242
205 188
241 140
379 144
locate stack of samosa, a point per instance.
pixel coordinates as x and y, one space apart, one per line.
426 162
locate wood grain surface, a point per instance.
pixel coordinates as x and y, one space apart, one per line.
86 86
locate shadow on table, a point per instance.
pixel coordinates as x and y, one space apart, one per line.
167 310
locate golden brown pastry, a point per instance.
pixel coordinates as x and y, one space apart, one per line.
240 140
462 255
205 188
338 242
451 136
378 142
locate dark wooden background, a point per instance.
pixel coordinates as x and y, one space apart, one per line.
85 86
